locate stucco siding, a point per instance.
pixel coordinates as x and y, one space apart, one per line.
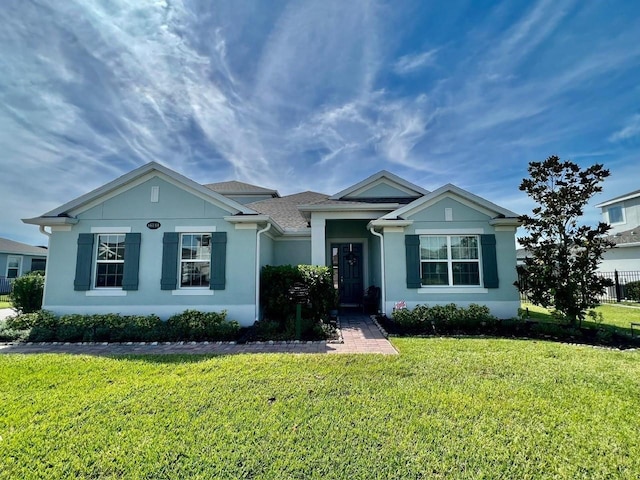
292 252
382 190
621 259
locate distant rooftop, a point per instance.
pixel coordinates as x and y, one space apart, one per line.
626 196
233 187
11 246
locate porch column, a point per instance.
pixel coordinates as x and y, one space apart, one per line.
318 247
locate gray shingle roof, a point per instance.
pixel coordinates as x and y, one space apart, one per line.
10 246
238 188
285 211
628 236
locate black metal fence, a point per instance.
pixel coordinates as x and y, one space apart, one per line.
614 294
6 284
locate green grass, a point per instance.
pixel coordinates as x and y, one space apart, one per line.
613 315
5 304
444 408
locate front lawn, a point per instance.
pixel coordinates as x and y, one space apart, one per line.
444 408
613 315
5 304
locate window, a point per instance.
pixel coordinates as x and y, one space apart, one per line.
110 261
449 260
195 260
14 266
616 215
38 264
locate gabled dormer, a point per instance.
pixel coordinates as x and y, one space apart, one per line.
382 187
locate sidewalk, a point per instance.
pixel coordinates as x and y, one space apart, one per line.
359 332
6 312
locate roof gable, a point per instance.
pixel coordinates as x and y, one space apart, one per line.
132 179
458 194
383 184
620 198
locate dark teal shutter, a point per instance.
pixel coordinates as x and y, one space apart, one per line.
218 260
489 261
131 261
412 245
84 260
169 261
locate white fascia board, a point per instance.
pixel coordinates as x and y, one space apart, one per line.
145 172
348 207
239 219
50 221
618 200
389 223
373 178
467 198
505 221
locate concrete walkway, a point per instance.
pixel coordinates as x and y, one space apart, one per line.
359 332
6 312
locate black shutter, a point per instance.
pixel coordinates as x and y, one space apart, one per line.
412 246
169 261
218 260
84 259
131 261
489 261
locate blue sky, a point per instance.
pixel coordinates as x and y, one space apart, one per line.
317 95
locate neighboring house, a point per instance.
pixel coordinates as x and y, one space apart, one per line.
18 258
623 214
154 241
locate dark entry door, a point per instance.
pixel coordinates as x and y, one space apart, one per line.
349 263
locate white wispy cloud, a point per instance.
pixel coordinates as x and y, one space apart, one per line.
630 130
412 62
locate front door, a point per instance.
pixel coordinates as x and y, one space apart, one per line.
347 272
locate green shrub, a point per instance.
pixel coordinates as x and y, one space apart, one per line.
277 281
8 334
26 295
632 291
196 326
445 319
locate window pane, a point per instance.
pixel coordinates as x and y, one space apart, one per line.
466 273
435 273
433 248
194 274
110 247
196 247
463 248
615 215
109 274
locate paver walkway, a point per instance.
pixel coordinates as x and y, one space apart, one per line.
359 332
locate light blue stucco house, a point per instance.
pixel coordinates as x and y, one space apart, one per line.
18 258
154 241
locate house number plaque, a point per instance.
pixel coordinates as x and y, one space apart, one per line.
153 225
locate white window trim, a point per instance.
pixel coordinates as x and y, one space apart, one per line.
622 210
192 290
451 288
195 229
95 288
20 264
112 230
106 292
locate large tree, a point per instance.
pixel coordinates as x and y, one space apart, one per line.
562 256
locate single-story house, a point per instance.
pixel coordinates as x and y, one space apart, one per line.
154 241
18 258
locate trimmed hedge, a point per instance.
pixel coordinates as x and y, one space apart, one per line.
27 291
632 291
449 318
190 325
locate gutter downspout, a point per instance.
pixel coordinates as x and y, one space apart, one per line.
46 270
265 229
383 289
43 231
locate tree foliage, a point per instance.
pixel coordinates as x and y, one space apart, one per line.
563 256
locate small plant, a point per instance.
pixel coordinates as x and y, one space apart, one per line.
26 295
632 291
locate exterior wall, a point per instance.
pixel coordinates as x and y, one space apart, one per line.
631 215
375 274
292 252
503 301
623 259
176 208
